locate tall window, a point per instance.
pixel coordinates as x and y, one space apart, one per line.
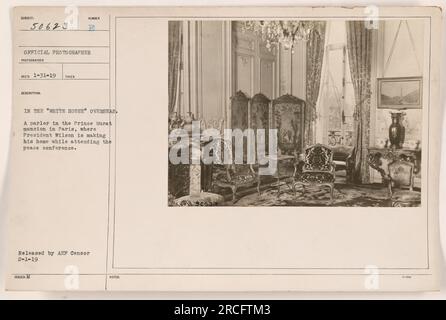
336 100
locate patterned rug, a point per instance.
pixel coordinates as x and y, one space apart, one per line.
344 195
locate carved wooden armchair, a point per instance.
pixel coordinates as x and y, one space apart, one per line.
218 124
206 169
343 157
318 168
233 176
401 180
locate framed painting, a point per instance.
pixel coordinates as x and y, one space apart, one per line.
400 93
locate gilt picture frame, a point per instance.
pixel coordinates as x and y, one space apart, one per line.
400 93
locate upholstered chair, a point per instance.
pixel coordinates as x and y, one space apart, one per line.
318 168
401 174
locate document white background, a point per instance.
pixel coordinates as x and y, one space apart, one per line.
5 117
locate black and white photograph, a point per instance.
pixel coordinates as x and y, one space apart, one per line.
290 151
332 108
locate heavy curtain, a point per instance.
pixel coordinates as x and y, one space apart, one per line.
359 47
175 43
314 58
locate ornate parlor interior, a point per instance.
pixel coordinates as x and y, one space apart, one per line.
346 98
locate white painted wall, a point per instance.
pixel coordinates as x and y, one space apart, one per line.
205 81
293 71
404 60
220 59
255 67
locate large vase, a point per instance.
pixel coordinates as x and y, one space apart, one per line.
396 131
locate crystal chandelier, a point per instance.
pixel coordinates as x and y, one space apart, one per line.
287 32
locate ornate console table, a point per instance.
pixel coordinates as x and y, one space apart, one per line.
380 157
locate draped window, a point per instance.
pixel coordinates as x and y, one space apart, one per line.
175 50
314 58
359 47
